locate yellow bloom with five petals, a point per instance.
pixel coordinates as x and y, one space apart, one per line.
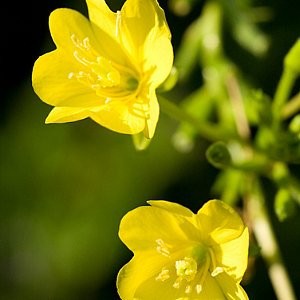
108 67
179 255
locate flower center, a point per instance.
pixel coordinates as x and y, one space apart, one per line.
109 79
186 269
190 272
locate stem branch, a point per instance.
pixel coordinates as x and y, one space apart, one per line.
261 225
282 93
292 107
238 108
210 132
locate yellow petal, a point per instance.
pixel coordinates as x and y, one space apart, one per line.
118 117
157 289
101 15
137 19
156 229
211 290
145 35
51 82
140 279
219 222
158 57
171 207
65 23
234 255
66 114
231 289
138 270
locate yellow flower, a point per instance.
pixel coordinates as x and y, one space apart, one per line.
179 255
107 68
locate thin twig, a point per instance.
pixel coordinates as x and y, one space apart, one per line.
211 132
238 108
292 107
262 228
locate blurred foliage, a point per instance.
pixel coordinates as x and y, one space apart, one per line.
64 188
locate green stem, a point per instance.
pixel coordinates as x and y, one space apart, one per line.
261 225
210 132
238 109
282 93
292 107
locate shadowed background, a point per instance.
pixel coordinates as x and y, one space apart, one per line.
65 187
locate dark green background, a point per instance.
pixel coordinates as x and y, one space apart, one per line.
65 187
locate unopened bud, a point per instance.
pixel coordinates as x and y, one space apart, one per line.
285 206
218 155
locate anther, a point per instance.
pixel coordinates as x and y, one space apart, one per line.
71 75
186 268
86 43
198 288
163 275
162 248
217 271
176 284
188 289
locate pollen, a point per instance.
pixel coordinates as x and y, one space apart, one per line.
186 268
192 270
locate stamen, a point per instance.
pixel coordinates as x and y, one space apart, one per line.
203 274
188 289
163 275
82 77
102 73
192 270
186 268
108 78
162 248
81 59
198 288
118 22
86 43
75 40
213 259
177 283
217 271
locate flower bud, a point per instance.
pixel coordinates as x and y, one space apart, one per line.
285 206
218 155
292 59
